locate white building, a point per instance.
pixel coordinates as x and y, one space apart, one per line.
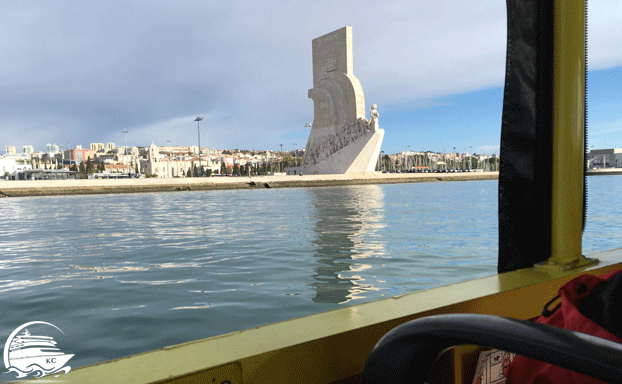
163 166
605 158
11 165
97 147
124 159
52 148
28 149
10 150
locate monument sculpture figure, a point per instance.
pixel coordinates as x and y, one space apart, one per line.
373 117
342 140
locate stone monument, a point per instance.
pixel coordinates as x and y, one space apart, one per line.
342 140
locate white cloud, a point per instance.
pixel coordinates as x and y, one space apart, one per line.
93 69
604 37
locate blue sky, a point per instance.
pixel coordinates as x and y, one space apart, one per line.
605 108
82 72
471 121
468 121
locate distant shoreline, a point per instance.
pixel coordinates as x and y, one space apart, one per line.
23 188
604 172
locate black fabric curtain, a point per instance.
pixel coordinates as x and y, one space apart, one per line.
526 137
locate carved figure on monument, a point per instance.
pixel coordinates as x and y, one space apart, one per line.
342 140
373 117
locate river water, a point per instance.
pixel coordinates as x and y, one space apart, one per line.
123 274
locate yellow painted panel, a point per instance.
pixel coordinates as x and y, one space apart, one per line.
225 374
568 132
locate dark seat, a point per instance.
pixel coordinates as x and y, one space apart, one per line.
406 353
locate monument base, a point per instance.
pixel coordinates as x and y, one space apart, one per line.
359 157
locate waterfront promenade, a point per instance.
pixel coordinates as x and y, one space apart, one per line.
92 186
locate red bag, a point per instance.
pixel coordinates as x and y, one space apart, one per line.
567 315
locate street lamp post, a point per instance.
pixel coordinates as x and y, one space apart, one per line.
307 125
382 160
125 132
470 158
169 159
199 135
281 157
125 150
295 157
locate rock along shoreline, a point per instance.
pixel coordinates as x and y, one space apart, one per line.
22 188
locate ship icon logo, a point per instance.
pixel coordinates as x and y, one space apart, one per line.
30 355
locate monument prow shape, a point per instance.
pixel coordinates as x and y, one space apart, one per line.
342 140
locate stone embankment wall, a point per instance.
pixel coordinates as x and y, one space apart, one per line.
77 187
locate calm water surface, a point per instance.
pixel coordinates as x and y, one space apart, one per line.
122 274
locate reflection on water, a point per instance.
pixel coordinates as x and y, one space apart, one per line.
130 273
343 221
125 274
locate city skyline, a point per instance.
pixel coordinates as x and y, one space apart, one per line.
82 73
55 149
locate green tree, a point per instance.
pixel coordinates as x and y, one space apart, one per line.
473 161
236 169
90 168
288 161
